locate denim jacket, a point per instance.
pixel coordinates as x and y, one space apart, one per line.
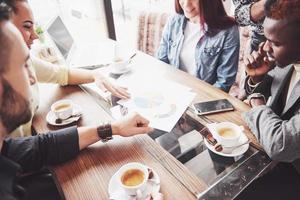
216 56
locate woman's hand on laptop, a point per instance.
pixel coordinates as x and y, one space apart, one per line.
106 85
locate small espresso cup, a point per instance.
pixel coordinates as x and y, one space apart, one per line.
62 109
119 64
227 133
133 178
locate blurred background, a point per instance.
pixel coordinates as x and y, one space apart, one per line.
94 20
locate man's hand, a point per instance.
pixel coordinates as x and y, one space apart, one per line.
104 84
254 102
132 124
257 64
246 101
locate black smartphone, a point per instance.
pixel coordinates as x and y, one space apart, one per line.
215 106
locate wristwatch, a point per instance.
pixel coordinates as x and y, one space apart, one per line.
104 132
256 96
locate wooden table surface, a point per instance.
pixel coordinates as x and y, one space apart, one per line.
88 175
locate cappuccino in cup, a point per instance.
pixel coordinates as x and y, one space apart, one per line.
133 178
62 109
227 133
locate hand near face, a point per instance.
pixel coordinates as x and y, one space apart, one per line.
104 84
257 64
132 124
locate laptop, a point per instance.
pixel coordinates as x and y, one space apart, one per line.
78 55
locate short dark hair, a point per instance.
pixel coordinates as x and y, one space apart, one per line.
212 13
13 4
5 11
283 9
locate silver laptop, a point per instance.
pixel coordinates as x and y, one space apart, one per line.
77 55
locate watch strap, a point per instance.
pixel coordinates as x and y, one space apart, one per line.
105 132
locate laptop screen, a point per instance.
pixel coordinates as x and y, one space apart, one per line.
61 36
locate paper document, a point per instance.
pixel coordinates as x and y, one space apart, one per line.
162 106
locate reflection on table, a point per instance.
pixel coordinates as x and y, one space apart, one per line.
186 144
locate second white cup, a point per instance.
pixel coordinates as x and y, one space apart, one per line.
119 64
62 109
227 133
133 178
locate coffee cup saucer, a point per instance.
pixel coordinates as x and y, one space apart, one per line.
236 152
51 118
119 72
116 192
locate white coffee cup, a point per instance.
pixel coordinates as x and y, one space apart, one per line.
119 64
62 109
133 178
227 133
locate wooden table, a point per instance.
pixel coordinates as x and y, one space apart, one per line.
87 176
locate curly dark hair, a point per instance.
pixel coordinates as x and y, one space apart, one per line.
283 9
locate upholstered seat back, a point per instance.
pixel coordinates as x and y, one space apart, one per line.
150 28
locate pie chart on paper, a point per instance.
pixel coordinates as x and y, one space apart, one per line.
155 102
149 100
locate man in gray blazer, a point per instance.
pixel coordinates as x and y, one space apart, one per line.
274 94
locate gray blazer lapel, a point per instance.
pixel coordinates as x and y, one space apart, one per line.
295 94
281 77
